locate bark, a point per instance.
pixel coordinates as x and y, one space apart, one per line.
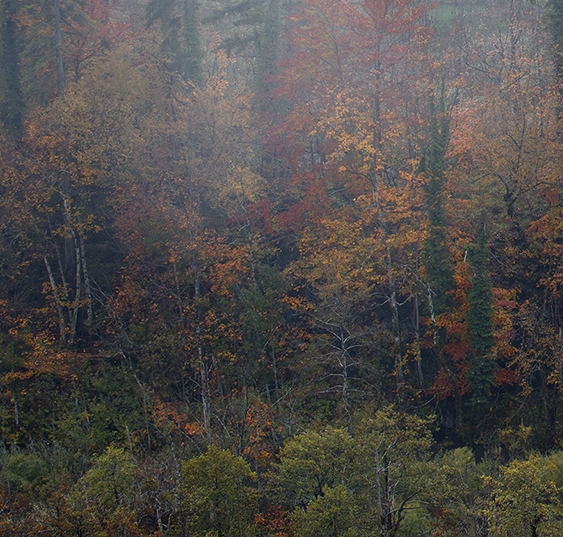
87 287
78 290
62 323
396 329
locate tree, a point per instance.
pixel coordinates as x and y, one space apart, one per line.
333 514
336 269
480 324
25 475
11 104
60 40
350 134
181 36
253 27
357 485
217 496
437 264
103 501
526 499
392 470
456 498
504 147
69 178
501 136
436 249
555 22
352 73
310 462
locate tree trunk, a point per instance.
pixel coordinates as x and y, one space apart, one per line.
87 288
203 369
60 312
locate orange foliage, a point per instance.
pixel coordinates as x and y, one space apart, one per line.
275 520
259 423
169 415
506 376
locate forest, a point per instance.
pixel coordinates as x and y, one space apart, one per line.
281 268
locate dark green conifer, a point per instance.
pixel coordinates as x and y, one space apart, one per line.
256 26
437 263
480 322
11 102
181 40
555 22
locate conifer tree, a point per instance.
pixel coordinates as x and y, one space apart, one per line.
181 40
268 46
480 322
257 26
11 102
437 262
555 22
436 254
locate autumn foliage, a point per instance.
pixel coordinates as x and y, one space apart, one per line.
313 274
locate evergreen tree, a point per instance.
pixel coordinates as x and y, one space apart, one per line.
480 322
436 254
257 26
268 47
555 22
437 262
11 102
182 41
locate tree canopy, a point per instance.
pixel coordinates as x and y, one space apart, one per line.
281 269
